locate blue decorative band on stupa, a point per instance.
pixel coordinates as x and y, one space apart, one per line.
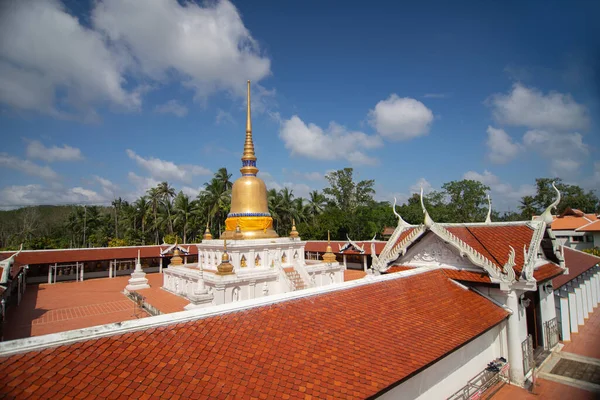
233 215
249 163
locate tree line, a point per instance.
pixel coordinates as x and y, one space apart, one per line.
346 208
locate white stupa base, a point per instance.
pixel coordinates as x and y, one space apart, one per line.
137 281
200 300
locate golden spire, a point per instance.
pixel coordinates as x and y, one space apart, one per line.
248 158
329 257
176 259
207 235
294 233
225 268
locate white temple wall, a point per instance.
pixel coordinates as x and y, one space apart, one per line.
452 372
547 307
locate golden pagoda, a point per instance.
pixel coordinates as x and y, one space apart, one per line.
329 257
249 207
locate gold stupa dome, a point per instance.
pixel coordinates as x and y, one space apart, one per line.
249 207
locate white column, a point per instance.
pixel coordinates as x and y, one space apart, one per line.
594 287
365 262
515 355
54 272
160 267
564 318
81 276
185 259
574 321
49 274
590 295
110 263
345 261
584 288
597 274
579 297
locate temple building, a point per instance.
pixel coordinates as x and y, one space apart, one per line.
249 260
575 229
511 263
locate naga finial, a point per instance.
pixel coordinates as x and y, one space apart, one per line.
547 215
427 220
400 220
488 219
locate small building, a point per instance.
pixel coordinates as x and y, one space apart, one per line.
576 229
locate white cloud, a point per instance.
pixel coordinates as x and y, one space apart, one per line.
27 167
401 118
535 110
172 107
192 192
566 151
335 143
167 170
501 147
224 117
54 65
503 195
421 183
16 196
207 46
309 176
36 150
48 57
108 188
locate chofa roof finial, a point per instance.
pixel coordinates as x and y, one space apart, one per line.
547 215
428 221
400 220
488 219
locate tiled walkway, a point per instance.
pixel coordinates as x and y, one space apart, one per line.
353 274
70 305
160 299
585 343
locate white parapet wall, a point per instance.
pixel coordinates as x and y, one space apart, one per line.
452 372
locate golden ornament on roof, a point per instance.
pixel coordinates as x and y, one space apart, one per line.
249 207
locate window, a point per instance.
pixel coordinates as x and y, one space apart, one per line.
576 239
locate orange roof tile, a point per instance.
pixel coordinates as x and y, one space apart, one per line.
398 268
577 262
467 276
547 271
287 349
568 223
591 227
493 241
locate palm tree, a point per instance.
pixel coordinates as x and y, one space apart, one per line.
166 193
117 203
143 208
154 197
184 211
527 207
223 176
216 198
316 203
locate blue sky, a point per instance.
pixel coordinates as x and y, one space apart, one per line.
104 99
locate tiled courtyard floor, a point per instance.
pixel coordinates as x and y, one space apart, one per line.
585 343
353 274
70 305
160 299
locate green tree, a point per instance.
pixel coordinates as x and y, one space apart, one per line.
467 201
346 194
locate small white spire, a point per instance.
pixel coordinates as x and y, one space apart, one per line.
547 215
428 221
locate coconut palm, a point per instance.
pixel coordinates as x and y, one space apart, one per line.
154 198
166 193
183 213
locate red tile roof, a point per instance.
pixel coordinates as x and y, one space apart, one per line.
547 271
467 276
31 257
577 262
321 246
591 227
493 241
313 346
398 268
